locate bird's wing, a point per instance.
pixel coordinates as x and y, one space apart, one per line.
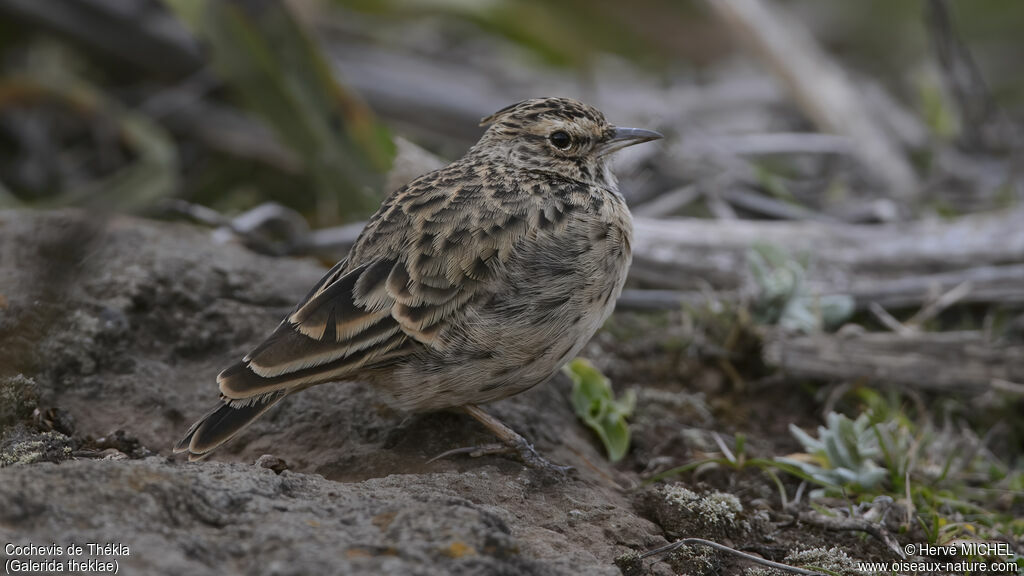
343 325
421 259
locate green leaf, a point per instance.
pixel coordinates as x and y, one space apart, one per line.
594 403
844 452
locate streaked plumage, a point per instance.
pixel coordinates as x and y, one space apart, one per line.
470 284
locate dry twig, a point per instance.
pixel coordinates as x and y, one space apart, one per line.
723 548
960 362
819 85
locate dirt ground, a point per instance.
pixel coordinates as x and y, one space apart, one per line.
111 334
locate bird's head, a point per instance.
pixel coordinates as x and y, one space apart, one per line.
559 136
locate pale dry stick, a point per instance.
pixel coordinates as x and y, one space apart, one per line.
799 493
901 122
939 304
955 362
883 316
927 312
668 203
336 240
721 446
737 183
999 284
820 87
196 212
723 548
784 143
718 206
253 227
754 201
879 210
1007 386
894 265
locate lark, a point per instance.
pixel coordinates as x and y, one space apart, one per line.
470 284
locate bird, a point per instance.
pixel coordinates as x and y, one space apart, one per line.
470 284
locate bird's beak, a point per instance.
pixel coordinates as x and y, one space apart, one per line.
623 137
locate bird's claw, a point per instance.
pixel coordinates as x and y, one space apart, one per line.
531 458
474 451
523 449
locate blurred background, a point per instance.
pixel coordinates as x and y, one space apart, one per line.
866 111
829 235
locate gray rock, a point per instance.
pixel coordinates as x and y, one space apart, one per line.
215 518
122 325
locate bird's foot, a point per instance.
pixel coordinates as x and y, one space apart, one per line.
523 449
474 451
531 458
511 441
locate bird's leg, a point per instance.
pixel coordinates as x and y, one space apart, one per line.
511 441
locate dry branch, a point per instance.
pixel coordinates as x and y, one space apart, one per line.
723 548
819 86
895 265
941 361
910 265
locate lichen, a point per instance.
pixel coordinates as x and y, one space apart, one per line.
832 559
695 560
17 399
764 571
630 564
21 448
715 509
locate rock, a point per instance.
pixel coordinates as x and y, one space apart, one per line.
210 517
271 462
122 325
196 519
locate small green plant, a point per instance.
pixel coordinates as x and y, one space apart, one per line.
845 453
782 297
946 484
595 404
949 485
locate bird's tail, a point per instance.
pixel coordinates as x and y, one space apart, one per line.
223 423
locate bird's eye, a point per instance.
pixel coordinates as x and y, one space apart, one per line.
561 140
